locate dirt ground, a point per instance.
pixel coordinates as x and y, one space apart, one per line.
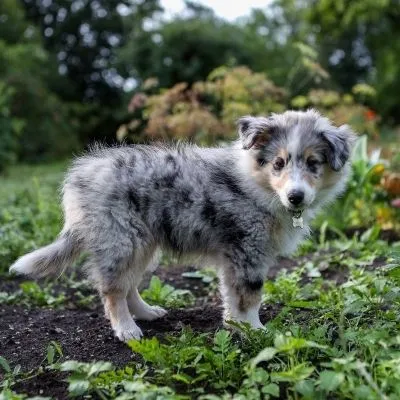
85 335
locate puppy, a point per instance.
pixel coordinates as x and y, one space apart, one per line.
239 207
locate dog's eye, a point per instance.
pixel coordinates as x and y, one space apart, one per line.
261 162
279 164
312 163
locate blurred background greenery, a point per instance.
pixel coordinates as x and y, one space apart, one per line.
75 71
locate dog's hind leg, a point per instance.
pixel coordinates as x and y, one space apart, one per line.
113 278
137 306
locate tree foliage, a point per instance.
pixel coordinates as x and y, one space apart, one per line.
361 42
10 128
73 65
24 68
186 48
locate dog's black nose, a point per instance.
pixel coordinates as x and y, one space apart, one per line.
296 197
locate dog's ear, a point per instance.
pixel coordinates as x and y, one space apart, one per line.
339 144
255 131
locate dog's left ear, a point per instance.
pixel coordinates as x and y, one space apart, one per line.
255 131
340 141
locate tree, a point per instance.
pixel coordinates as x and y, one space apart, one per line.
81 37
35 112
186 48
361 42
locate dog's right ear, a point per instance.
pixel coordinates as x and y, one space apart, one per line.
254 132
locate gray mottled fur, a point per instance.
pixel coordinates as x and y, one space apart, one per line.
122 204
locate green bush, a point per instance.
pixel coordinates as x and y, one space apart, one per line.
10 128
367 200
49 130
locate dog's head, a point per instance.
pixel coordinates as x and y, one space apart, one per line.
301 156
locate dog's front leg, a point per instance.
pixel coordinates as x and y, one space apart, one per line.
242 296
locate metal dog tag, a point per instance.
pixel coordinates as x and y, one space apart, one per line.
297 222
297 219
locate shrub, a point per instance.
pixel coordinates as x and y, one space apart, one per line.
206 111
10 128
369 194
343 108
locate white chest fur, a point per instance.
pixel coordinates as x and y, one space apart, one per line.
287 236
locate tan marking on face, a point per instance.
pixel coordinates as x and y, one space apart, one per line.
279 182
329 177
311 179
264 176
309 152
283 153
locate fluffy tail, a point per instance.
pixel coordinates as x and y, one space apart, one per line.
49 260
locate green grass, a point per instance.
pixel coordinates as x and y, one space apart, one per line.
328 340
30 213
22 177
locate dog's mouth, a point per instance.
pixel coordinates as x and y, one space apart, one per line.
296 213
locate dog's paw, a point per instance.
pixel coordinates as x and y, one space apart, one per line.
257 325
151 313
125 333
251 320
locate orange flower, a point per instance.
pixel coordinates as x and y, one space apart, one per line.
370 115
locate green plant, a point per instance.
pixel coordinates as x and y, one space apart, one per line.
31 294
166 295
365 202
106 382
30 214
206 111
10 374
331 319
193 360
8 394
207 275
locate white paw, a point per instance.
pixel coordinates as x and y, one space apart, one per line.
257 325
150 313
228 325
125 333
251 318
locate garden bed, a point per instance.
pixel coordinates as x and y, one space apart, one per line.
85 335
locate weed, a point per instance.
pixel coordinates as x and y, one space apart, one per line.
166 295
105 382
31 294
